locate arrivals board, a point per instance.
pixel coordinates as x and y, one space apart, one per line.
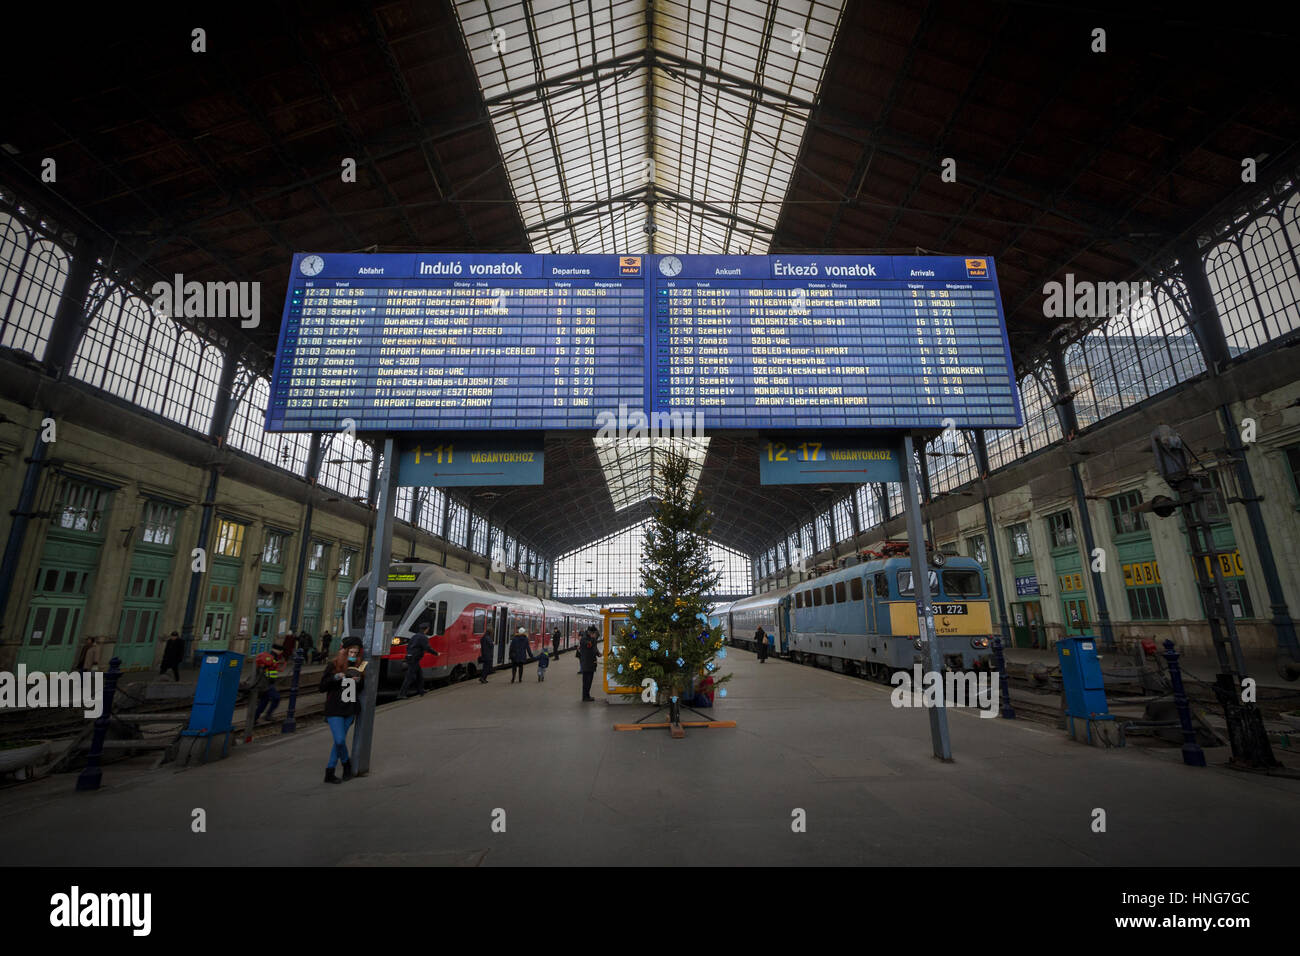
416 342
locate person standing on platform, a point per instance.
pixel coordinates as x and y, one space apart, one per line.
587 654
485 658
306 643
519 654
760 641
173 654
341 708
88 656
326 640
413 681
555 642
289 642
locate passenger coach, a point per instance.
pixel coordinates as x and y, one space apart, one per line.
862 618
459 608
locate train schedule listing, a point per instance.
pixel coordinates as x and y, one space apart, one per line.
831 341
409 342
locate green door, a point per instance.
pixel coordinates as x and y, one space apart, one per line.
215 624
1027 624
53 633
263 626
54 630
312 598
140 629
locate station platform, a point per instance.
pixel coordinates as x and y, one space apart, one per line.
575 791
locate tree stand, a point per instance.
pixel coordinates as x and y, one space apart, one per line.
674 723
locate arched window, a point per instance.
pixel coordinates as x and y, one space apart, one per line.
403 501
33 271
431 509
1042 427
1272 263
1233 298
286 449
158 365
122 370
195 376
951 461
843 520
478 541
345 467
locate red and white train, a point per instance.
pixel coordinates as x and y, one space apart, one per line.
459 609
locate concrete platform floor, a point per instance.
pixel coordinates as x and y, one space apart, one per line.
574 791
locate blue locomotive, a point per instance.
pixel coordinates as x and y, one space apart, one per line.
861 619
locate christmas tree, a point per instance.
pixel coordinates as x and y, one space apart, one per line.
670 639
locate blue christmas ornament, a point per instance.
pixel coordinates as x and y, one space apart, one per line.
654 645
620 668
722 654
713 622
709 666
636 613
723 691
674 617
674 700
680 661
650 592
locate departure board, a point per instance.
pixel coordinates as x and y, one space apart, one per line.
424 342
418 342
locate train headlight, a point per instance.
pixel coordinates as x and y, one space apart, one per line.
397 640
979 642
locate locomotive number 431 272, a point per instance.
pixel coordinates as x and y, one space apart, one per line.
950 608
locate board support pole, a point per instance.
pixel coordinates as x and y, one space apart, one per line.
924 607
376 634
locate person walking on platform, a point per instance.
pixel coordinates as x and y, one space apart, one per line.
543 662
267 673
306 643
760 641
413 681
173 654
587 654
325 640
485 658
289 642
519 654
341 685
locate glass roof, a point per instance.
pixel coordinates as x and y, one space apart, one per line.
611 114
630 465
612 117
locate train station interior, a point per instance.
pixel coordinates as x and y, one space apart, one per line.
1118 574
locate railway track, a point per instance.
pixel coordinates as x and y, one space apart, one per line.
1036 693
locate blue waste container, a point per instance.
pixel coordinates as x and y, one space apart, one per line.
214 698
1085 692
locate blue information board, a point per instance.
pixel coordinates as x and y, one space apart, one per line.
801 460
451 460
416 342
